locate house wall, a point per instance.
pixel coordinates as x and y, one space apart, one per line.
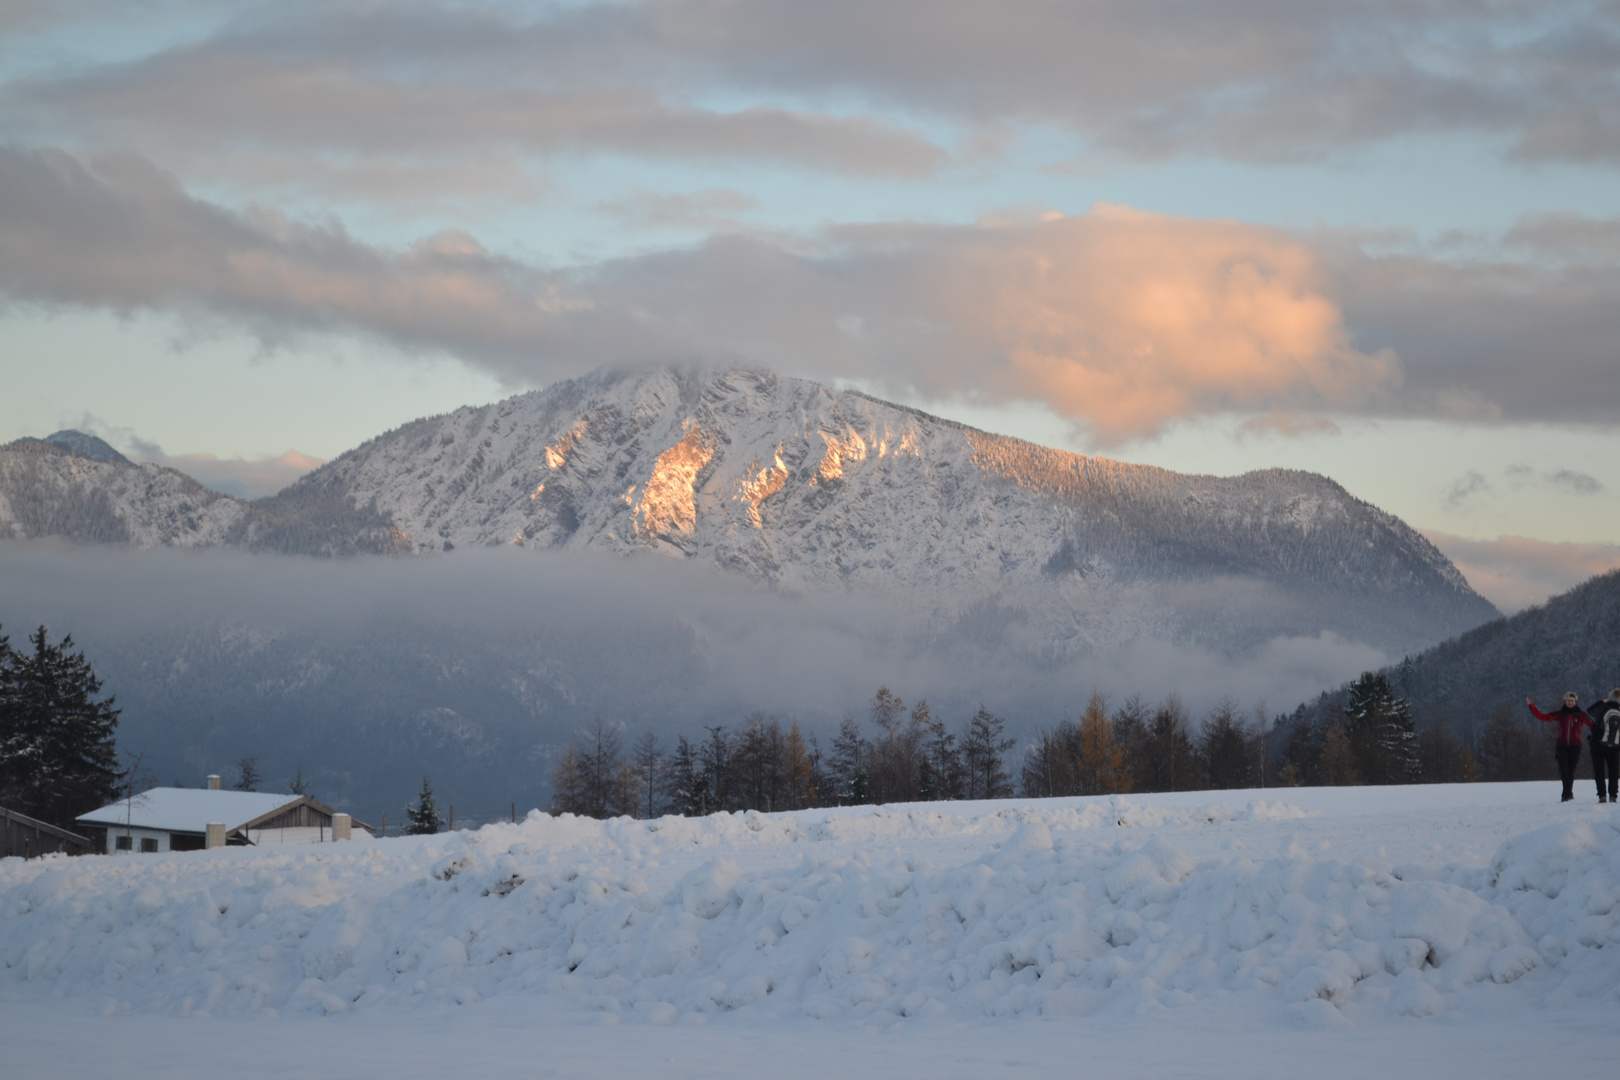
136 835
297 834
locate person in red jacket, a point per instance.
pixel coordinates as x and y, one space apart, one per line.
1570 719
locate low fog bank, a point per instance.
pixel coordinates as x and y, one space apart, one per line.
475 668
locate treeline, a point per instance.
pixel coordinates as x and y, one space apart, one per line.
1370 736
910 755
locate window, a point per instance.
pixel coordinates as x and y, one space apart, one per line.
123 843
148 844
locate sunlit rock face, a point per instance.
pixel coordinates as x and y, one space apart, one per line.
804 488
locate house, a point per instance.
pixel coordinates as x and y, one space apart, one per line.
26 837
182 819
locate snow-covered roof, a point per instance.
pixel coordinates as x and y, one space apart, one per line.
188 809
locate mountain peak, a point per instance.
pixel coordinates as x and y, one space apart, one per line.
86 446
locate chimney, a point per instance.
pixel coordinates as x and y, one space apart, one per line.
213 781
342 826
216 830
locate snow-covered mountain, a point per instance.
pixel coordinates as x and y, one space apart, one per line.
804 488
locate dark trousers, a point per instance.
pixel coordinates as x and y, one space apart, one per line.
1568 758
1606 760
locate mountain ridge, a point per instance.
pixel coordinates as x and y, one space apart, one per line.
801 487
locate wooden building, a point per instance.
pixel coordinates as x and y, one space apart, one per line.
26 837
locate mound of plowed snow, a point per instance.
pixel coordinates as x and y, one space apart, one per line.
1335 906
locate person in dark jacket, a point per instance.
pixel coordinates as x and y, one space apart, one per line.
1570 719
1605 740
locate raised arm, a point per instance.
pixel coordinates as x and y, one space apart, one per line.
1539 715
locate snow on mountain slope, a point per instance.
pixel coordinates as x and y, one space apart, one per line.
804 487
801 487
56 489
1330 907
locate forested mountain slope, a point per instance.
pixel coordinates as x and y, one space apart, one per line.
1572 642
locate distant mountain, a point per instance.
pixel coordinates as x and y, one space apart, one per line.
75 486
803 488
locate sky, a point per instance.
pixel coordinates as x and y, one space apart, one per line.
1380 241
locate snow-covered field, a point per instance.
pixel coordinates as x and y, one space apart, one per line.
1470 929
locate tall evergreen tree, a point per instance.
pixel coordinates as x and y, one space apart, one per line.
1379 725
714 756
58 757
1227 749
688 782
984 749
850 754
944 775
651 769
423 818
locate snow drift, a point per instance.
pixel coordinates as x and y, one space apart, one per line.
873 915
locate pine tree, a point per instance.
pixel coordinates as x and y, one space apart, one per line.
58 757
850 753
424 817
249 769
714 757
944 776
649 764
1167 761
605 787
567 789
1225 747
983 761
892 762
688 782
1302 750
1381 732
1337 767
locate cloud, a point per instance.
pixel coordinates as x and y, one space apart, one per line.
1577 482
306 97
1514 572
1120 319
1466 486
1563 236
245 478
1491 338
1240 79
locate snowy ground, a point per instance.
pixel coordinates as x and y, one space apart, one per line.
1404 931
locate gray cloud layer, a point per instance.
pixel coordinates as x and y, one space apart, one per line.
1122 320
1257 80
